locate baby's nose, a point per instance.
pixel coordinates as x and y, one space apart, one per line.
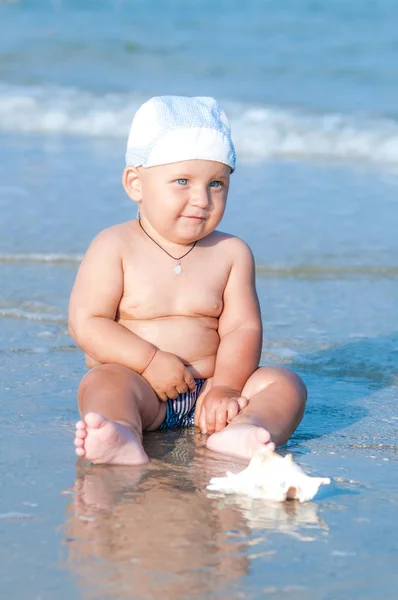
201 197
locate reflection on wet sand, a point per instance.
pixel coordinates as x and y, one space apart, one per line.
291 518
154 532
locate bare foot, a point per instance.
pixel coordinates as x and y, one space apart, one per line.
240 439
103 441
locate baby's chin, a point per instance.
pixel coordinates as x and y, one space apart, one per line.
191 229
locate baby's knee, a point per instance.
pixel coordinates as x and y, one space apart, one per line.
100 377
281 377
283 374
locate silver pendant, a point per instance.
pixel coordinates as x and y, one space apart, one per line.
177 268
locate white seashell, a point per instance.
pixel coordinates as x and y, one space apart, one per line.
271 477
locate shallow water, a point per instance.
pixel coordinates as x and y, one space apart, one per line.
310 89
142 532
329 304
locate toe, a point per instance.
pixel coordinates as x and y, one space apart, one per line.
94 420
80 425
242 402
81 433
262 436
80 451
79 442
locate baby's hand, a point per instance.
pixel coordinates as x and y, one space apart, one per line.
168 376
220 405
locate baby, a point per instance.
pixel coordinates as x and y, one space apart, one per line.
165 306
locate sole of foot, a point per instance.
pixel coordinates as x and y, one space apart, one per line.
102 441
241 440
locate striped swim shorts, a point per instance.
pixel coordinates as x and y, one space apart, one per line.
180 412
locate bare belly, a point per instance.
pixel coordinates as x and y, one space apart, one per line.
194 340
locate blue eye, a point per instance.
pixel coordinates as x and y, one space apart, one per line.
216 184
182 181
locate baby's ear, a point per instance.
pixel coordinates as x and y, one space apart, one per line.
132 183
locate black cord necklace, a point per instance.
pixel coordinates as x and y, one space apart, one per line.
177 267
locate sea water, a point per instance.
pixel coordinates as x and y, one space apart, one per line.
310 89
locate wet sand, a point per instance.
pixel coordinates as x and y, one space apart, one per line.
79 531
328 289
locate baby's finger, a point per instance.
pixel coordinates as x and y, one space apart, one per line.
232 410
190 381
221 420
181 387
172 393
202 420
162 396
210 421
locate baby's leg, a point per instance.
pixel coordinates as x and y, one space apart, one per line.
116 405
276 406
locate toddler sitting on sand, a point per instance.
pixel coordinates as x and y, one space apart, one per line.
165 306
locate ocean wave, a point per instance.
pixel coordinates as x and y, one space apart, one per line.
41 258
327 271
19 313
39 349
259 131
303 271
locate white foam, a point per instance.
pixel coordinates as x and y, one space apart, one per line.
16 516
49 109
19 313
259 131
37 257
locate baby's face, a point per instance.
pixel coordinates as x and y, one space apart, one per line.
184 201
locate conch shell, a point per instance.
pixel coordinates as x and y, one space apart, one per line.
271 477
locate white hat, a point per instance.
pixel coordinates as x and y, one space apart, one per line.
168 129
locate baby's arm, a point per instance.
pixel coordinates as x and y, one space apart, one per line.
93 304
240 327
239 352
92 311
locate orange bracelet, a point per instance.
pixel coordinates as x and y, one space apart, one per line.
150 360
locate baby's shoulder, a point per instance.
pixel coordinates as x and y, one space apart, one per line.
114 237
232 245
